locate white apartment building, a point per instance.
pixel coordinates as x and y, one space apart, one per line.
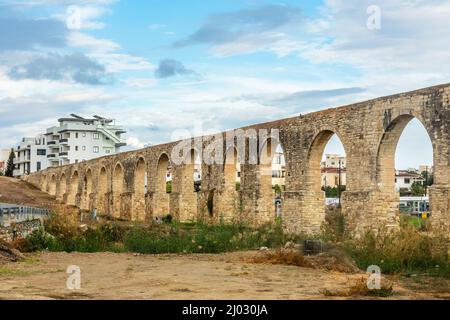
79 139
31 156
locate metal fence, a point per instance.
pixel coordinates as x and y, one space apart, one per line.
13 213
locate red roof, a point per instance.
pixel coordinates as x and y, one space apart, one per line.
332 170
404 173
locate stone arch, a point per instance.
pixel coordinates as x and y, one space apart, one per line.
268 151
87 189
228 203
140 190
73 190
385 171
118 189
161 196
43 183
102 190
62 190
313 214
388 197
184 187
52 185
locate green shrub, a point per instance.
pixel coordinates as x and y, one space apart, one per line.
172 237
39 240
198 238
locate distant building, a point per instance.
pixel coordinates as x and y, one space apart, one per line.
278 169
4 156
331 177
31 156
404 179
332 161
76 139
79 139
333 169
425 168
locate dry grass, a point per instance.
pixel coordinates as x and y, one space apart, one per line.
360 288
285 257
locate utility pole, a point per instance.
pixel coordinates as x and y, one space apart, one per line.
339 185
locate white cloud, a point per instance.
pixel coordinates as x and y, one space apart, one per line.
409 47
118 62
134 143
77 39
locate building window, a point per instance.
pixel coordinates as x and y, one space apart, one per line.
76 135
96 149
107 151
76 160
84 134
41 152
407 181
96 136
38 166
83 148
76 148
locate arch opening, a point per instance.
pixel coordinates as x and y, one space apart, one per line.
118 187
87 189
52 185
140 190
163 186
71 199
272 167
62 191
405 170
102 189
326 179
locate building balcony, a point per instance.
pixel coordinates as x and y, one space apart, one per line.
53 143
20 161
51 155
64 141
63 154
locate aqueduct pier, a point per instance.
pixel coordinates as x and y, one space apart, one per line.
132 185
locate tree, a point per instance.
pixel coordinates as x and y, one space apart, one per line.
333 192
428 178
417 189
277 189
10 164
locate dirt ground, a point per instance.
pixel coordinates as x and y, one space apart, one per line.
167 277
16 191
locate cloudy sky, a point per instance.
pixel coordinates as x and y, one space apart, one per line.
161 66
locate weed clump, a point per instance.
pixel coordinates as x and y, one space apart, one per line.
360 288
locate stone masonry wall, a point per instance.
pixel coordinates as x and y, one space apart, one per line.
368 130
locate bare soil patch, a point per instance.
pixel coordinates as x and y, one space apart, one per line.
193 276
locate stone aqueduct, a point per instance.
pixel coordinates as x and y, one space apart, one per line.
369 132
